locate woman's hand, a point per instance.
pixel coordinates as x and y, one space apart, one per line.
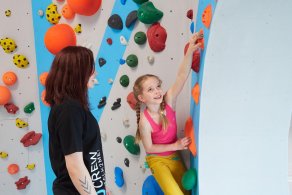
182 143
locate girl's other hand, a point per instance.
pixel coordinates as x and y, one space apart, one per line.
182 143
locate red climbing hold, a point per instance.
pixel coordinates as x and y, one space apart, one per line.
131 100
156 36
196 59
22 183
190 14
109 41
31 138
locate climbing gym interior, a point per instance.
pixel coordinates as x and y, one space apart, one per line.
236 104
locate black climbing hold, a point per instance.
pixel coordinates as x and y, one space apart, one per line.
127 162
119 140
131 18
115 22
102 102
101 62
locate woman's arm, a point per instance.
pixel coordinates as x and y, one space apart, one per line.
145 132
79 174
183 71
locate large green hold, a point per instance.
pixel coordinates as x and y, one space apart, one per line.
132 60
140 1
130 145
124 80
189 179
148 14
29 108
140 38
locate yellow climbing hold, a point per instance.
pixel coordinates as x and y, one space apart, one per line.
78 28
52 14
20 123
8 45
7 13
20 61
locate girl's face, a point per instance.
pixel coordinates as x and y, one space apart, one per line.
152 92
92 80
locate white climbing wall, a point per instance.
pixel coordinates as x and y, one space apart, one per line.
19 27
246 102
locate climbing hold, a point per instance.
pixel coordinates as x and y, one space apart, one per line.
102 102
22 183
13 169
196 93
126 122
40 13
43 95
123 40
30 166
124 80
207 16
3 155
150 59
110 81
156 35
103 136
78 28
190 14
123 2
148 14
30 138
131 18
150 186
196 59
192 27
190 132
29 108
9 78
58 37
132 60
130 145
101 62
11 108
109 41
20 123
115 22
140 1
131 100
116 104
67 12
52 14
5 95
119 140
127 162
189 179
43 78
119 178
8 45
122 61
140 38
84 7
20 61
8 13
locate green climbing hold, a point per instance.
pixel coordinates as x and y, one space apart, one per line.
124 81
140 38
132 60
140 1
148 14
130 145
189 179
29 108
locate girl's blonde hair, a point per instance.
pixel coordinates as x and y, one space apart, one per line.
137 90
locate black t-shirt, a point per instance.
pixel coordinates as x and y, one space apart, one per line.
73 129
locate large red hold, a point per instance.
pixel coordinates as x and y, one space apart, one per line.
156 36
22 183
196 59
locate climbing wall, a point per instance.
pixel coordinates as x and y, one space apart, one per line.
19 160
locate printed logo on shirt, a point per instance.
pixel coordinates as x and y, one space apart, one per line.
97 171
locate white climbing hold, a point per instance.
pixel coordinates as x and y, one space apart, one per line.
110 81
41 13
126 122
123 40
150 59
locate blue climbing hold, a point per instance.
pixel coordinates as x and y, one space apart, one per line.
119 178
192 27
122 61
123 2
150 186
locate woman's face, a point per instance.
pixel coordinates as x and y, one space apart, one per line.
92 80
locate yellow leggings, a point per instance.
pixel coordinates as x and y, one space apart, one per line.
168 172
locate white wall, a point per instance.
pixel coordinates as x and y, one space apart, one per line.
246 100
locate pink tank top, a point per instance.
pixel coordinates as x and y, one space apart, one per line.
158 135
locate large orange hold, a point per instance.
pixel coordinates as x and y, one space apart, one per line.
9 78
207 16
5 95
190 132
196 93
84 7
67 12
13 169
58 37
43 78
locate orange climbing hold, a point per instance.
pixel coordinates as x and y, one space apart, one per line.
9 78
5 95
190 132
43 98
43 78
67 12
196 93
13 169
84 7
207 16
